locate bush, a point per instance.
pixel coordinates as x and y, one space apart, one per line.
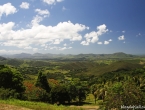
34 93
11 79
7 94
126 93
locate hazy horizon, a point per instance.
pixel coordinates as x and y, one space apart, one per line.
65 54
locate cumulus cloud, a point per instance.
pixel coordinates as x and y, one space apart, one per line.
93 36
99 42
51 2
59 48
39 35
36 20
65 44
121 37
110 40
42 12
64 48
106 42
25 5
7 9
85 43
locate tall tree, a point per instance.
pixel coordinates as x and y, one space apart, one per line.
42 82
11 79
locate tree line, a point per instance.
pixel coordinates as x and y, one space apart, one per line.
12 85
113 89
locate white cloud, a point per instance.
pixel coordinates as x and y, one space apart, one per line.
139 34
110 40
69 47
42 12
123 31
93 36
25 5
57 41
85 43
99 42
38 35
59 0
121 37
36 20
7 9
63 8
51 2
59 48
29 47
35 49
63 48
65 44
106 42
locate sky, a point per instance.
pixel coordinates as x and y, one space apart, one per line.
72 26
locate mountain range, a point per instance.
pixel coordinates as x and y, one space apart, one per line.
71 56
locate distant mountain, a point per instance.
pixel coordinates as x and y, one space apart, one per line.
19 56
2 58
121 54
70 56
37 54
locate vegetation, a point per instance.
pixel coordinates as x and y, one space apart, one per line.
108 81
37 105
11 83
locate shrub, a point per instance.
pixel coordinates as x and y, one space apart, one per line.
34 93
7 94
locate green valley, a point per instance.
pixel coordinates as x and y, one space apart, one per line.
106 81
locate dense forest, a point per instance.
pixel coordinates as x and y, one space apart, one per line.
113 82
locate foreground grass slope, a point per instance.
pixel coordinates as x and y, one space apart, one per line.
27 105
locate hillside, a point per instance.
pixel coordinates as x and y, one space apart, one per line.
99 69
2 58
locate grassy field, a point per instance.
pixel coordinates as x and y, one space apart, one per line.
35 105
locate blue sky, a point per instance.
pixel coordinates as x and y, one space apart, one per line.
72 26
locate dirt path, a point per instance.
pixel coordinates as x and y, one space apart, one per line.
88 107
11 107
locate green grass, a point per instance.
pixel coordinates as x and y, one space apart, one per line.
37 105
90 99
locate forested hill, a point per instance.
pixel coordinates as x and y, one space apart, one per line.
70 56
2 58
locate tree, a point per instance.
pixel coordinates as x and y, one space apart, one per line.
59 94
98 91
126 93
42 82
11 79
72 90
34 93
81 93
